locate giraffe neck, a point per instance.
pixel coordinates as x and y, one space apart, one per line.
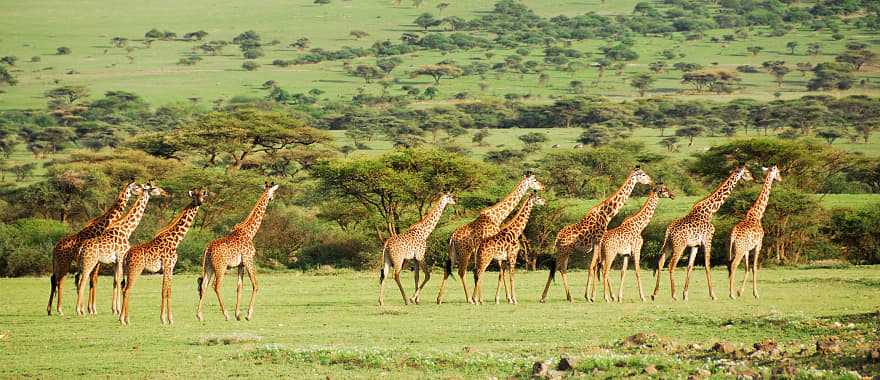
99 224
710 205
519 221
641 219
757 210
249 226
424 227
499 211
131 219
612 205
175 231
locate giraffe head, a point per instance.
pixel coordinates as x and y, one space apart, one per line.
131 189
537 200
447 199
640 176
154 190
270 188
744 173
198 196
532 182
772 173
663 191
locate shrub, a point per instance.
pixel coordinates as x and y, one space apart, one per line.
858 233
250 65
64 50
26 246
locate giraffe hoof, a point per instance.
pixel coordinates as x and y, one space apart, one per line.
200 317
542 300
225 316
249 316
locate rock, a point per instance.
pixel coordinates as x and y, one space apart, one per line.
766 345
651 370
540 369
566 364
724 347
828 345
639 339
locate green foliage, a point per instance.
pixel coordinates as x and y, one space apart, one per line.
63 50
25 246
858 232
250 65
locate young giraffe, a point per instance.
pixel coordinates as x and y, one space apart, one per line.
465 239
501 247
66 248
109 248
160 254
584 236
411 245
694 230
235 250
748 235
626 239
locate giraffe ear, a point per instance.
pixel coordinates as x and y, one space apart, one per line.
190 193
638 167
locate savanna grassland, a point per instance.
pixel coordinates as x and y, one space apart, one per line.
327 324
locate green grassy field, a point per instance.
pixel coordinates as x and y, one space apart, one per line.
38 29
327 324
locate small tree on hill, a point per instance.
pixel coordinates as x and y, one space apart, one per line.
358 34
64 50
754 49
791 45
426 20
438 71
690 132
642 83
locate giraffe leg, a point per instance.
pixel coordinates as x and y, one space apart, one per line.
117 287
383 276
677 252
636 260
734 264
755 272
85 272
746 268
170 315
218 278
622 277
203 284
427 271
478 288
165 312
252 275
501 283
511 268
707 255
447 270
462 272
133 274
592 276
561 258
238 286
606 268
397 270
59 271
416 270
93 284
658 272
690 269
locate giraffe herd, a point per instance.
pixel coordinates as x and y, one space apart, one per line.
488 238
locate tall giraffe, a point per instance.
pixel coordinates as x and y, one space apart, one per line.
626 240
465 239
235 250
503 247
584 235
160 254
66 248
411 245
748 235
109 247
695 230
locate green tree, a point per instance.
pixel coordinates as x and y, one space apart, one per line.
426 20
791 46
829 135
532 140
670 143
480 136
438 71
64 50
814 49
399 186
690 132
6 78
657 67
9 60
358 34
387 65
301 44
857 58
642 83
250 65
754 49
368 73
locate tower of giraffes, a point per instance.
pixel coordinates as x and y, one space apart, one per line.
748 235
695 230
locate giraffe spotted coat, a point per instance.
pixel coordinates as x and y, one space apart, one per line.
748 236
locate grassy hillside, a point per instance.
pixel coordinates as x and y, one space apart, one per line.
317 326
44 25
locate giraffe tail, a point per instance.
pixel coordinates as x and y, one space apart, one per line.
204 270
662 247
553 270
730 256
447 266
386 263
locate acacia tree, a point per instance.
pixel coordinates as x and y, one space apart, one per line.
438 71
7 78
690 132
358 34
642 83
754 49
426 20
368 73
399 186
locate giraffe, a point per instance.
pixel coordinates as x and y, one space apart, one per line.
411 245
694 230
235 250
66 248
109 247
503 247
584 235
748 235
626 240
465 239
160 254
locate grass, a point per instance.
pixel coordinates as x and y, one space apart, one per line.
317 326
42 26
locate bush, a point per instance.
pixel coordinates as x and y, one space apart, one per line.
250 65
192 248
26 246
858 233
64 50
